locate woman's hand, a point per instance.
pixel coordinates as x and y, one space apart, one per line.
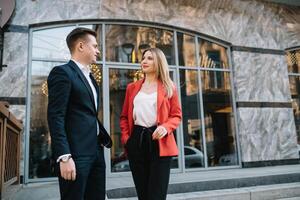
159 133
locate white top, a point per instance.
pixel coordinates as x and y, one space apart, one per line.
144 109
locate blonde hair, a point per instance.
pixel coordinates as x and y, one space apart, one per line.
162 69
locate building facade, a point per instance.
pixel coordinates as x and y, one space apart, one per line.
235 64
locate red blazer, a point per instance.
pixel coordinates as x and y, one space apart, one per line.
168 115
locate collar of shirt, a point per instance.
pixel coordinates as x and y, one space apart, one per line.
85 69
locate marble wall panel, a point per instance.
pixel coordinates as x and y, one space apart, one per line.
244 23
267 134
30 12
260 77
15 56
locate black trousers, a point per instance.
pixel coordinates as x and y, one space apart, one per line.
90 179
150 172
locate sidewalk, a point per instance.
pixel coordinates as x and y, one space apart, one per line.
288 191
205 185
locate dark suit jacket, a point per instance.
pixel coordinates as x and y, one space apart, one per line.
72 117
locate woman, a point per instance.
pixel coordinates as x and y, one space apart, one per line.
151 112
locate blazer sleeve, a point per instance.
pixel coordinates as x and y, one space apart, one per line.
124 124
59 88
175 114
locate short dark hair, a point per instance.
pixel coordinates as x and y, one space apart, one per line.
78 33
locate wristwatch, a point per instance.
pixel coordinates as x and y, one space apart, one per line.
66 158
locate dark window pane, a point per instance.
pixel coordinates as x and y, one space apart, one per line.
295 92
219 120
293 60
40 141
186 50
192 131
212 55
126 43
118 81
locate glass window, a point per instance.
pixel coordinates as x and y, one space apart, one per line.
210 110
186 50
293 60
127 43
212 55
51 43
118 81
192 131
40 142
295 92
218 119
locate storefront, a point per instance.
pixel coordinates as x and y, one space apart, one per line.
199 66
234 68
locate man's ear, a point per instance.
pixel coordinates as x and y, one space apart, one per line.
79 46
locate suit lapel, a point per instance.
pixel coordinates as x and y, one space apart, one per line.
97 90
83 79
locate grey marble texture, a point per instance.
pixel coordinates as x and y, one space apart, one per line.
253 23
30 12
15 56
241 22
260 77
267 134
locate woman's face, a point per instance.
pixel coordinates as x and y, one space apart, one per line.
147 63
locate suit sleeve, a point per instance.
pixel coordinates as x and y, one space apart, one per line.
59 88
124 124
175 114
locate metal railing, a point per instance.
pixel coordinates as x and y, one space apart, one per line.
10 135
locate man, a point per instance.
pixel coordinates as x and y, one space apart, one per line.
77 136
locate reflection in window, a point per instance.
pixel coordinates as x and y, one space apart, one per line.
51 43
293 59
192 132
186 50
40 142
295 93
40 163
214 80
118 80
127 43
218 120
212 55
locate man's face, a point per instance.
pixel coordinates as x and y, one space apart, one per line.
90 49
